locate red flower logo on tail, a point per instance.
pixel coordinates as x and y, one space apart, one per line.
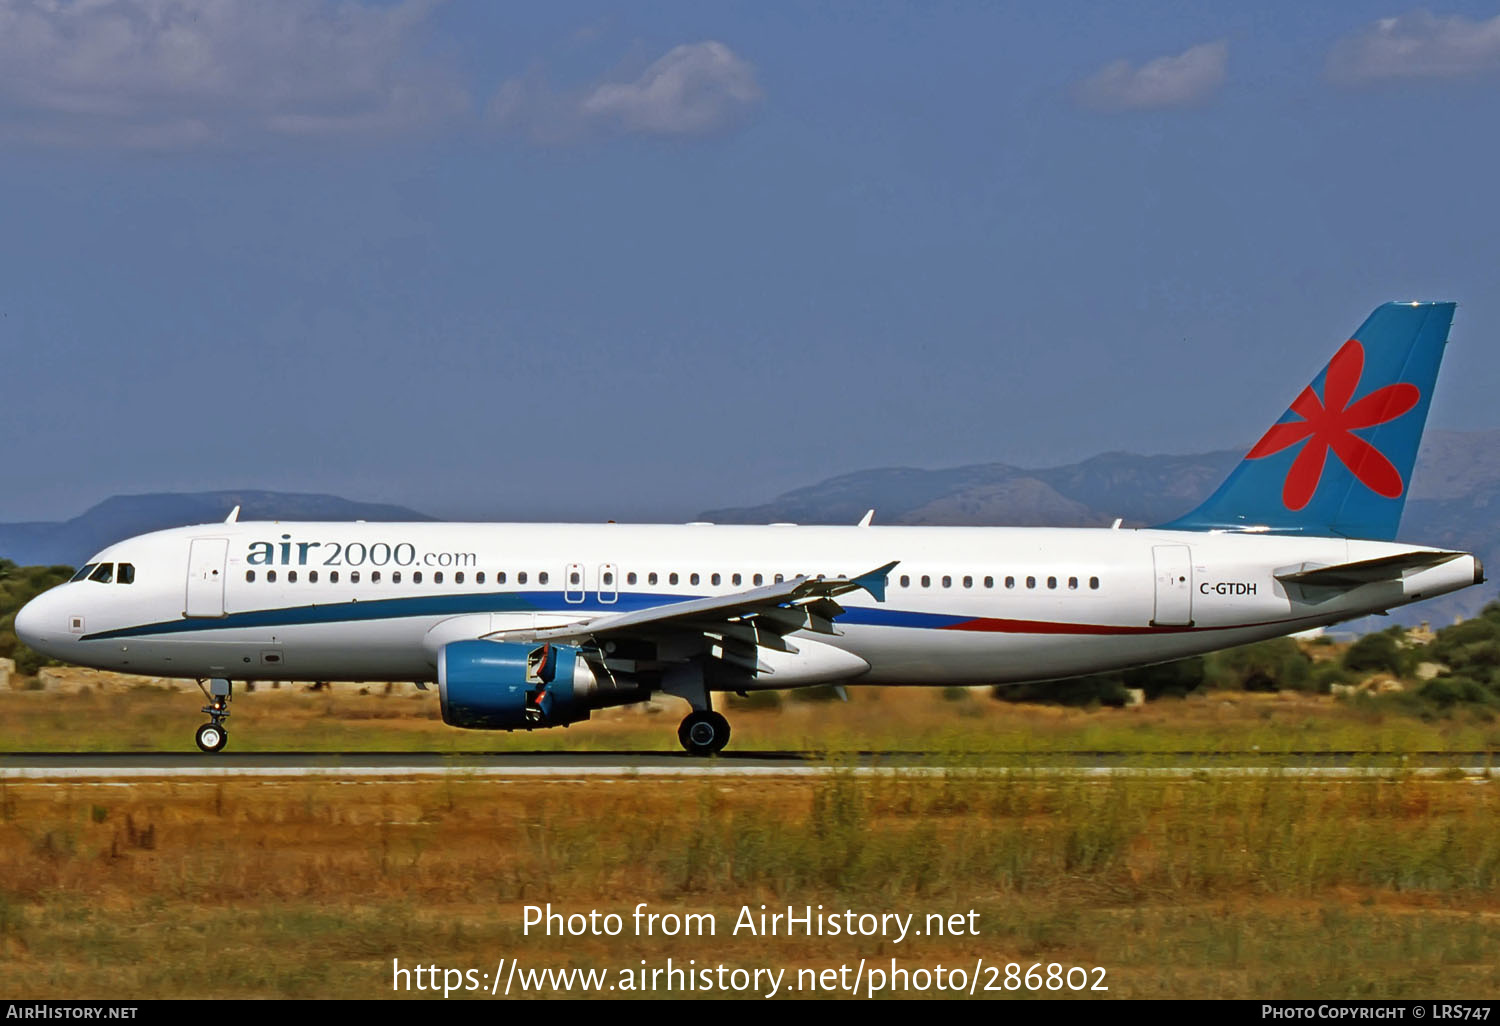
1330 423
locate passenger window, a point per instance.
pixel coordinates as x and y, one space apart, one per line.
693 579
968 582
458 578
271 576
125 573
353 576
416 577
1094 583
714 580
947 581
104 573
651 577
374 576
736 580
333 577
672 578
905 581
499 578
1072 584
1031 582
1052 582
574 579
478 578
249 576
312 576
83 571
291 577
541 578
520 577
989 582
926 581
630 578
395 576
1010 582
760 579
778 578
437 577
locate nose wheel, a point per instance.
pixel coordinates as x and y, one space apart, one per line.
703 733
212 736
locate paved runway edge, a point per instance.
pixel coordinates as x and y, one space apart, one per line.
1467 766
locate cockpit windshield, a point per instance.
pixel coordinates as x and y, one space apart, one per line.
106 573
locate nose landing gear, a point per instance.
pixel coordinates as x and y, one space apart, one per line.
212 736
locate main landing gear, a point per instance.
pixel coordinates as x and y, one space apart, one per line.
703 732
212 736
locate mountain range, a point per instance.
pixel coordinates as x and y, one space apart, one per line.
73 541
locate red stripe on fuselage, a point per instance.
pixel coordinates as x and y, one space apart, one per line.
998 626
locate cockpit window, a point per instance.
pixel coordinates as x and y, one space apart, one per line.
104 573
84 571
125 573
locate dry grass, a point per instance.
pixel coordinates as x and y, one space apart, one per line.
293 718
1224 887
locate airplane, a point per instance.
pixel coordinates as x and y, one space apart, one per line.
530 626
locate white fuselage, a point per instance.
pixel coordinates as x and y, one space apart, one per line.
965 605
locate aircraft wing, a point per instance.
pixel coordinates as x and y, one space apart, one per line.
1366 571
734 625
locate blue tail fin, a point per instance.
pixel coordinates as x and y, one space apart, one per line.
1339 460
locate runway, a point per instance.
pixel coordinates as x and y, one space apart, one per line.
1465 766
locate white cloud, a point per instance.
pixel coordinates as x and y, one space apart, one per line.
1419 44
1186 79
176 73
694 89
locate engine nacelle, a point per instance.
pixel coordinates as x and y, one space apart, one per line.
492 685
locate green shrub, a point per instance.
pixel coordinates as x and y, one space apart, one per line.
1326 674
1275 665
1100 689
1168 680
1382 652
1447 691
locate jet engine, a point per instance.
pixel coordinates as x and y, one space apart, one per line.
491 685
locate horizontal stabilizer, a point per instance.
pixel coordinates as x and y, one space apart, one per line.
1365 571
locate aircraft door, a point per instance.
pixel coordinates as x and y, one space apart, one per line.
205 583
1174 586
609 585
573 585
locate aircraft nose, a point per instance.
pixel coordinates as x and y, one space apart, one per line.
34 628
27 621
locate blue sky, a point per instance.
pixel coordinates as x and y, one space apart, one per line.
586 260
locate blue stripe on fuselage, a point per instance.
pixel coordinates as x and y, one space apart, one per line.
391 609
487 602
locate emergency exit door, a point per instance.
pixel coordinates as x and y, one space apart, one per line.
205 583
1174 586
